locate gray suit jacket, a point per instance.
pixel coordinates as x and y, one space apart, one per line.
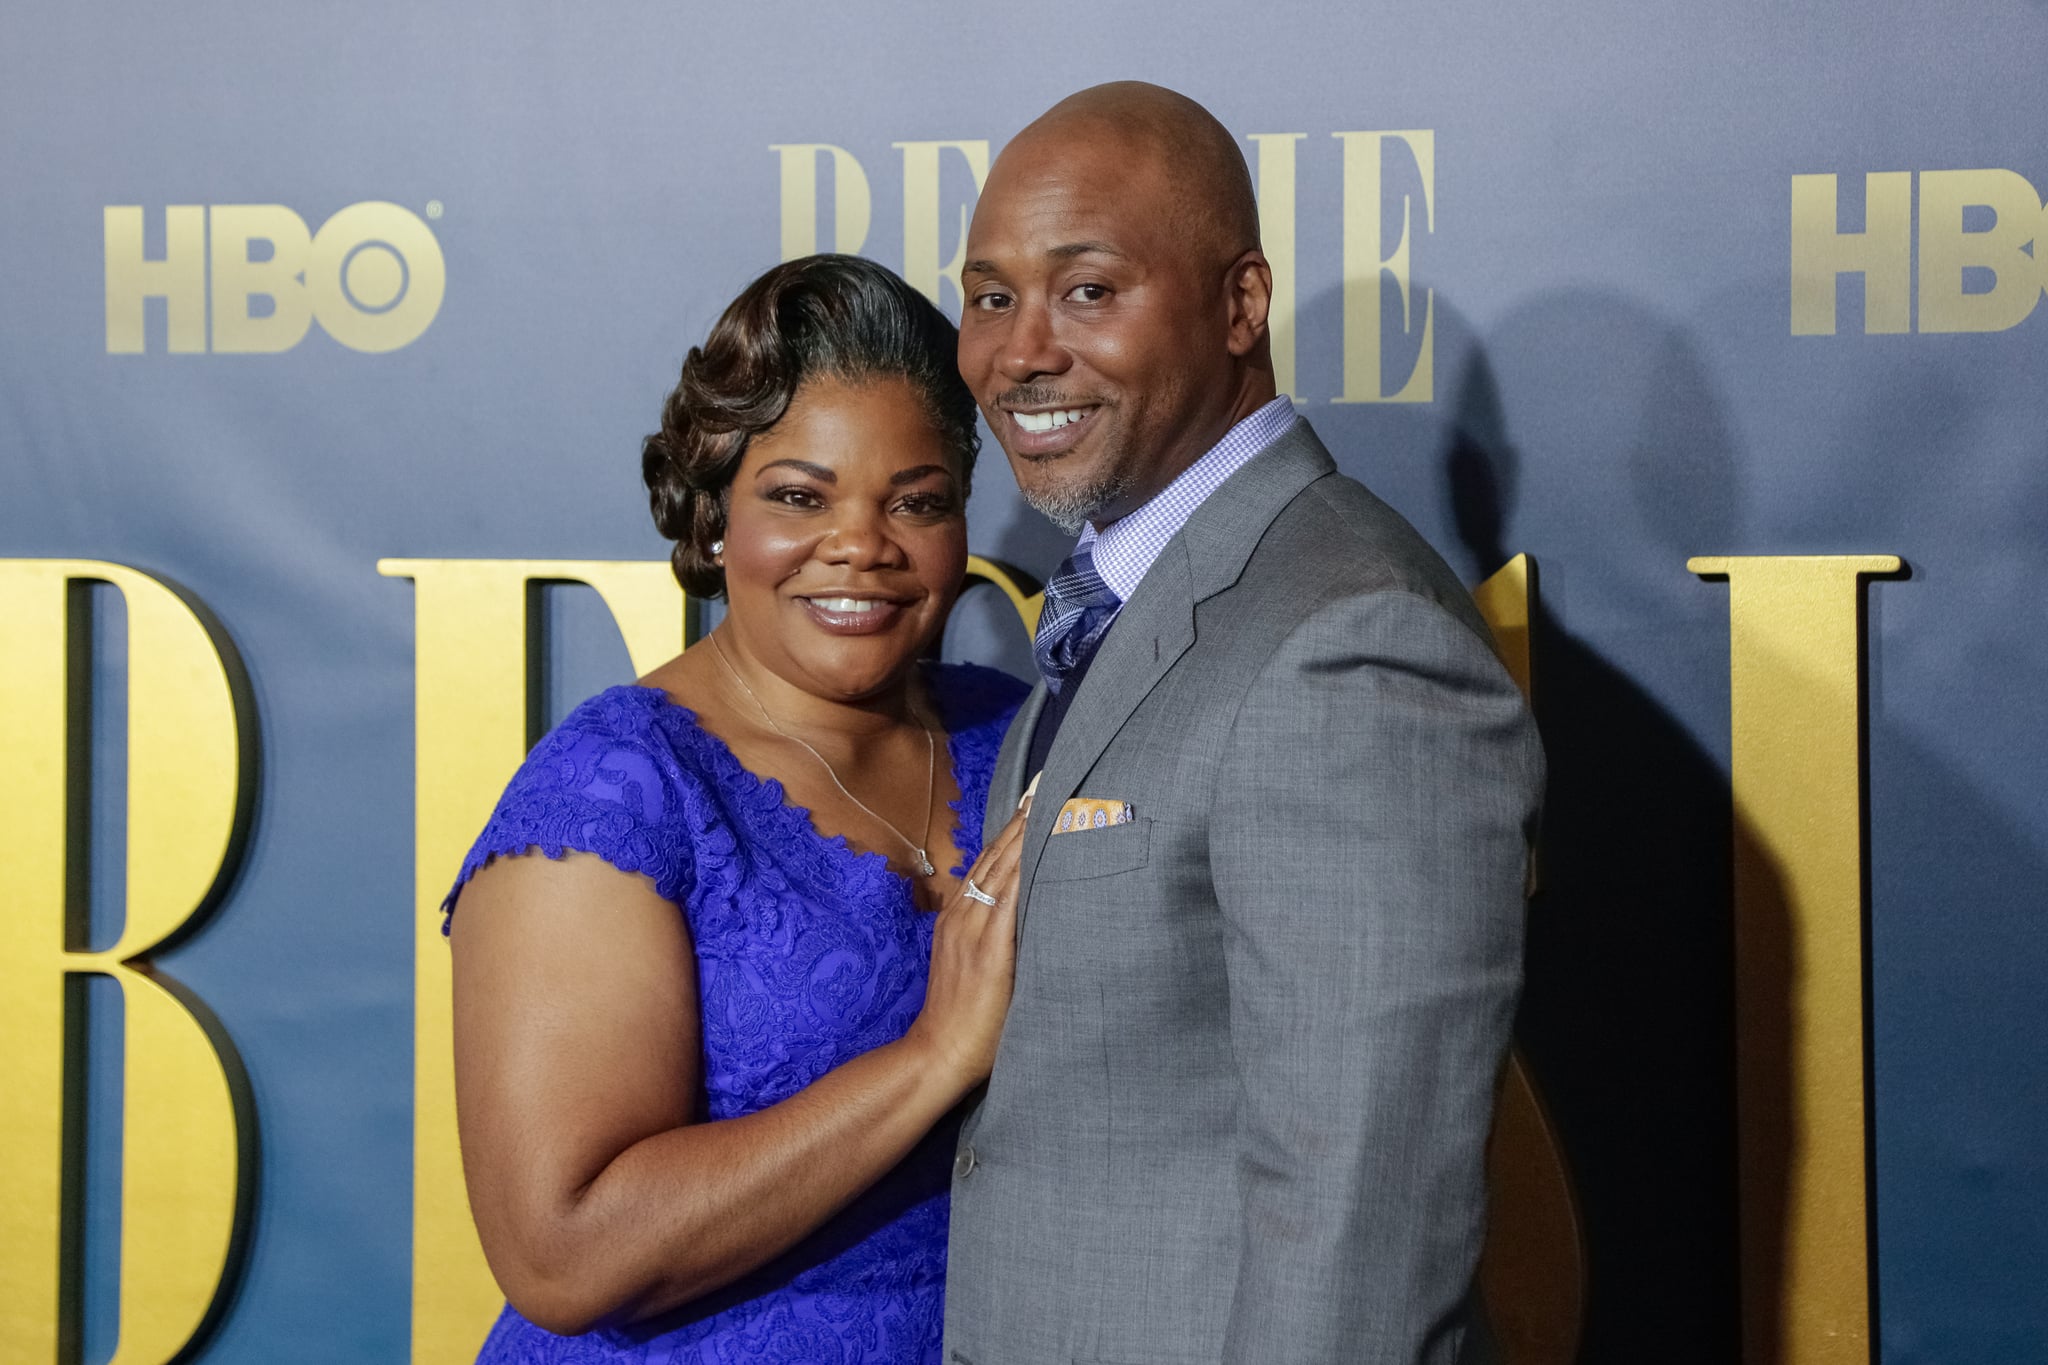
1241 1101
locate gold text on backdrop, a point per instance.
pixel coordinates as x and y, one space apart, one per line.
1372 343
1795 652
472 620
373 277
1972 278
1367 261
186 1131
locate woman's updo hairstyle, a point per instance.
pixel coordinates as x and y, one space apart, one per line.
839 316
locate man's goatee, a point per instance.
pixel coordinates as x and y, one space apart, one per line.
1073 506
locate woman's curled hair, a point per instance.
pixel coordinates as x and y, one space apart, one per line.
827 315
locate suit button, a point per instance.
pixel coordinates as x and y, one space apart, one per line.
964 1163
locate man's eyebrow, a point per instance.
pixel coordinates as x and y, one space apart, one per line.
903 476
1063 252
1069 250
816 471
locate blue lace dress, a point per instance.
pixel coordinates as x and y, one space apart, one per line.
808 954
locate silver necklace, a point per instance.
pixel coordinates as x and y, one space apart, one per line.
924 861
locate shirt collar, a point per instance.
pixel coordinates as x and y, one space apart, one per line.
1124 550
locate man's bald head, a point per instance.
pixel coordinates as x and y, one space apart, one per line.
1153 133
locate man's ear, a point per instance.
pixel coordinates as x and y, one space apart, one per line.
1249 287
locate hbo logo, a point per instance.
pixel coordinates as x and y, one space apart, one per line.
373 276
1980 235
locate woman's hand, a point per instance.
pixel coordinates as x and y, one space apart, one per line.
974 961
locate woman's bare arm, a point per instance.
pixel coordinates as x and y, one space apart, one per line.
598 1194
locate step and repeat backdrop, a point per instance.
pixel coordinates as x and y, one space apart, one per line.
330 336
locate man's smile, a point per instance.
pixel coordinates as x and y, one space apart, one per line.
1046 421
1044 432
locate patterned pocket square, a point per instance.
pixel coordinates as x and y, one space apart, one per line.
1085 813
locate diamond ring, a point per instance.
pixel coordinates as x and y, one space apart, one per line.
975 893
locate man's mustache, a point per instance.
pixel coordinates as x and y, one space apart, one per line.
1037 396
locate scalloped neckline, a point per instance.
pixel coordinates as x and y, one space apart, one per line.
873 864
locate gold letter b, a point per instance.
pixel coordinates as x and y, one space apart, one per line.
183 1168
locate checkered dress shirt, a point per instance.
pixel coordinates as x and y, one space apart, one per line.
1124 551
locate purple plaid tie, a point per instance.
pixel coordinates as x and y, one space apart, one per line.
1078 608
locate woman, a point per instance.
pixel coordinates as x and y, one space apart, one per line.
702 1076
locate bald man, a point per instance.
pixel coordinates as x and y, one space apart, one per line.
1271 895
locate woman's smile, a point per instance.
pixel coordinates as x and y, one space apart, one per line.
852 615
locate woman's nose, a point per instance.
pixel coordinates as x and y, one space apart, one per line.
860 541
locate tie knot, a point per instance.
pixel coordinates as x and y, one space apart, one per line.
1078 609
1076 583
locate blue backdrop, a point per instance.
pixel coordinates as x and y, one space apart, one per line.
1616 385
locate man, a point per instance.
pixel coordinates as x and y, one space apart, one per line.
1271 889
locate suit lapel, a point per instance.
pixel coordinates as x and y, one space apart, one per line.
1150 634
1006 788
1155 628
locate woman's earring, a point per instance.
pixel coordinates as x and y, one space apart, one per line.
717 548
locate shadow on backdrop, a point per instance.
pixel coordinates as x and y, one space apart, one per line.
1623 468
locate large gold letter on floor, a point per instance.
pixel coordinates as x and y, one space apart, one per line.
182 1166
1795 667
471 731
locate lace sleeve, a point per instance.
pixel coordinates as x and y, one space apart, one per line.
602 782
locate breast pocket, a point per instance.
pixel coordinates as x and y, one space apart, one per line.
1095 853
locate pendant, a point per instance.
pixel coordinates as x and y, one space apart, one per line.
924 864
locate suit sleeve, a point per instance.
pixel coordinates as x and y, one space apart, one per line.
1368 848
